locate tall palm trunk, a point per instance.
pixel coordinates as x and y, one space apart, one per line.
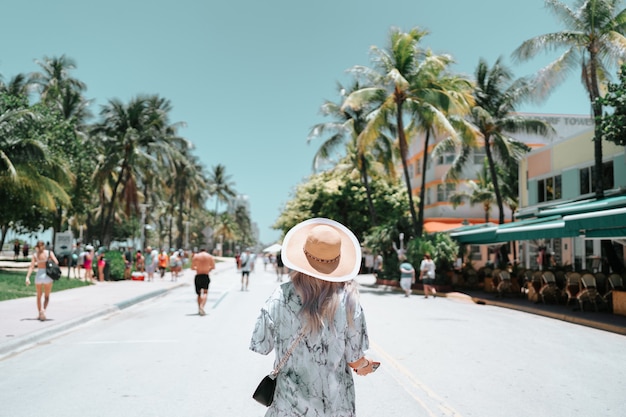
179 222
494 180
591 81
405 168
105 230
423 185
594 93
3 234
368 191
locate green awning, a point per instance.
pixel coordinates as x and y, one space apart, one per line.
593 219
585 206
477 234
538 230
598 224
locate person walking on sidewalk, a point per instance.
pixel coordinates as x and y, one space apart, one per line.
164 260
43 283
320 306
280 267
407 275
246 266
427 275
203 263
151 262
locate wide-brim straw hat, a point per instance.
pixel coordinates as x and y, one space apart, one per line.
324 249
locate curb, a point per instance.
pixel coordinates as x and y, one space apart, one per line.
557 316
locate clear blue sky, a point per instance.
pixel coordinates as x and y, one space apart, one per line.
248 77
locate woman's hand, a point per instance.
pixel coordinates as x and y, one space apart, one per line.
363 366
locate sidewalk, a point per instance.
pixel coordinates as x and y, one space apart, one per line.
599 320
20 328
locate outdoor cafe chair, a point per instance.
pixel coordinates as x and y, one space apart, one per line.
549 290
589 293
615 283
505 285
572 286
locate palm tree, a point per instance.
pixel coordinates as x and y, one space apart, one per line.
594 39
482 191
130 137
344 132
241 217
18 86
226 230
221 186
411 81
496 96
55 81
32 179
189 188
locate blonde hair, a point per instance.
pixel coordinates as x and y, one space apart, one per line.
320 300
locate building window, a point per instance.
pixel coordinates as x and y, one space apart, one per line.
479 158
549 189
446 159
588 177
475 254
444 191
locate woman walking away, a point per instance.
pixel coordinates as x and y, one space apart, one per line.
427 275
43 283
407 275
317 316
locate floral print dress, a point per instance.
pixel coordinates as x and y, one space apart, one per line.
316 380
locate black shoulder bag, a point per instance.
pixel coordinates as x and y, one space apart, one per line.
52 269
264 393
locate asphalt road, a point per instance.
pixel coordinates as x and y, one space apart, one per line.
440 357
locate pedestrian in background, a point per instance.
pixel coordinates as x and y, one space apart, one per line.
378 264
43 283
16 249
176 264
139 261
128 262
319 316
101 264
151 262
88 263
427 275
164 260
280 267
407 275
246 265
203 263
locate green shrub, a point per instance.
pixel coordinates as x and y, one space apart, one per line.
116 263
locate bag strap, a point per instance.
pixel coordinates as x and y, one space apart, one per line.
287 355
